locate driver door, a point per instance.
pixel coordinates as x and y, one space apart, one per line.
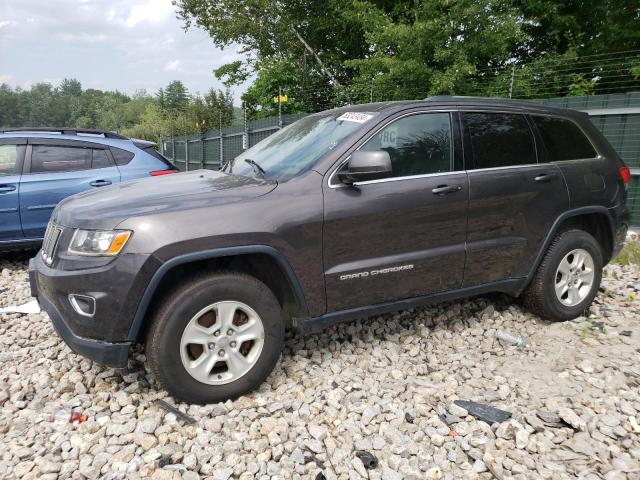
398 237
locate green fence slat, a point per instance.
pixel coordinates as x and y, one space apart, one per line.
212 153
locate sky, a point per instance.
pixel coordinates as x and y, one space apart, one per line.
125 45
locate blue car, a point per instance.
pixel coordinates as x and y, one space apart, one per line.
40 167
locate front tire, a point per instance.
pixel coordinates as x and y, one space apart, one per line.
216 338
568 277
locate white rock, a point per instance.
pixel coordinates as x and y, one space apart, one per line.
572 418
317 432
522 438
222 473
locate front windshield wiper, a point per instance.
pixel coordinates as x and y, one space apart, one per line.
254 164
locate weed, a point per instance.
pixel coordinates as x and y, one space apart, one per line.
629 254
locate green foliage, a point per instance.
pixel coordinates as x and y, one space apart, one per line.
629 254
174 98
212 111
171 112
306 92
407 49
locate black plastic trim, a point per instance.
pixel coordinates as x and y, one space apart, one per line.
312 325
207 254
554 229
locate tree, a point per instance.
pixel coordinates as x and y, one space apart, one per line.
151 125
175 97
212 111
412 48
68 105
70 86
269 29
437 48
306 91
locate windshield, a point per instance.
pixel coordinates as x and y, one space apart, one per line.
296 148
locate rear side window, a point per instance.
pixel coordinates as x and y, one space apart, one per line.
122 157
563 139
418 144
51 158
154 153
10 157
100 159
499 139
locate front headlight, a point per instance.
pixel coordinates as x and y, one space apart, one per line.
98 242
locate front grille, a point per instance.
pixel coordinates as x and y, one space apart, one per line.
51 237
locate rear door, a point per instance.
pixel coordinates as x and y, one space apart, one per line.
513 200
11 158
56 169
591 179
401 236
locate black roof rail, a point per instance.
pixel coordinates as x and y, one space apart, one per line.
67 131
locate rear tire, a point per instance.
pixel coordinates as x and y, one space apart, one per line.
567 279
216 338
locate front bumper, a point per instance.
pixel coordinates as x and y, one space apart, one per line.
102 338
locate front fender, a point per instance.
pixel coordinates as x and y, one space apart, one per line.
165 267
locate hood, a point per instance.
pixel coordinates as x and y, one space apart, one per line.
106 207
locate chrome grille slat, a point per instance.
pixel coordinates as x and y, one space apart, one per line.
50 242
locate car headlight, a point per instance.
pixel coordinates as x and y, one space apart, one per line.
98 242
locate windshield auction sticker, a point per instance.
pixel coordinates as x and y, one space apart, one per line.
358 117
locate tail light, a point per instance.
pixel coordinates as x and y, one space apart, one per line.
157 173
625 174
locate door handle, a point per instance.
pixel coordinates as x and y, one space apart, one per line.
546 177
446 189
100 183
7 188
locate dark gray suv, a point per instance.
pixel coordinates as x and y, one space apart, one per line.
345 214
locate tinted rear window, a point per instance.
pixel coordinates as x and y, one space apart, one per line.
563 139
154 153
500 139
122 157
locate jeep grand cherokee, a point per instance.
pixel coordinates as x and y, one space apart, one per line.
345 214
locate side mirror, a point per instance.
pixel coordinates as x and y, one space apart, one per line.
366 165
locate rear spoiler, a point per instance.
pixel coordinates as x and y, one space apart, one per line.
143 143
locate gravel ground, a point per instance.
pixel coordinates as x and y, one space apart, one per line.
382 386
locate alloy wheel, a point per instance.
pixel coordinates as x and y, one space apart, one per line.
574 277
222 342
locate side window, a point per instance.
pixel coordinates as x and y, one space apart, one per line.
499 139
563 139
9 159
122 157
51 158
100 159
154 153
417 144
